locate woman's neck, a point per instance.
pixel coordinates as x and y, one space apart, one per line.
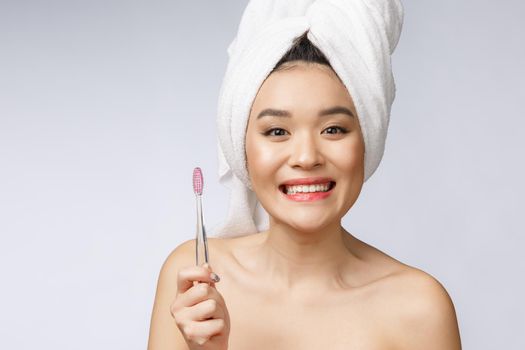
305 260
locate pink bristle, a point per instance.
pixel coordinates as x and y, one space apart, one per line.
197 181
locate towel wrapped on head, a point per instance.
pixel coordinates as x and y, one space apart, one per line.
357 37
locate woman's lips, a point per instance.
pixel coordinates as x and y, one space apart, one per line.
308 196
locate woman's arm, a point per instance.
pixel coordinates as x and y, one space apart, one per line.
164 333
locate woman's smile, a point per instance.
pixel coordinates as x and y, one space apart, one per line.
307 192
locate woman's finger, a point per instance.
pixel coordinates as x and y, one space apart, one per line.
201 331
196 294
205 310
186 277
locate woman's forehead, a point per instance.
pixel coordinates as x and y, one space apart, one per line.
302 88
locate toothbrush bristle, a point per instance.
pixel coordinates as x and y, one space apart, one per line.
197 181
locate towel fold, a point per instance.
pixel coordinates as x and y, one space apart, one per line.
357 37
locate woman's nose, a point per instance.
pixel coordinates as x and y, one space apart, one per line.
305 152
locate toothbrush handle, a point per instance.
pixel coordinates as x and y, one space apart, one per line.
201 246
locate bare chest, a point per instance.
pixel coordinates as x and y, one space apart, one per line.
272 323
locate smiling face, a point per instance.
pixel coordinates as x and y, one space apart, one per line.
298 128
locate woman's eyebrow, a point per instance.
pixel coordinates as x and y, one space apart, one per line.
285 114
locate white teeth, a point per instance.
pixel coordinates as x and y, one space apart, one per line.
307 188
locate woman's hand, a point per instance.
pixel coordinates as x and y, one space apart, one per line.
200 311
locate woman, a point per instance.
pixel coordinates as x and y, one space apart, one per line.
305 282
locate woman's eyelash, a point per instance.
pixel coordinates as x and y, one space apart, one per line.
341 129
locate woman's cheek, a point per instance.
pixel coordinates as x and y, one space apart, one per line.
264 160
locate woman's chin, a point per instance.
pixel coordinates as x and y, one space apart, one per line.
310 223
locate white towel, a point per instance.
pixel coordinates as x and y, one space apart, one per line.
356 36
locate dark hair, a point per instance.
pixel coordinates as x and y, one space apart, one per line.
302 50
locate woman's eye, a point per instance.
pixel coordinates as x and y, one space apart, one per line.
278 130
342 130
281 132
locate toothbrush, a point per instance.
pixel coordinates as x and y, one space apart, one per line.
201 244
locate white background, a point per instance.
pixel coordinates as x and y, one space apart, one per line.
107 106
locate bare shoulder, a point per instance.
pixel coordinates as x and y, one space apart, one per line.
183 255
415 308
423 314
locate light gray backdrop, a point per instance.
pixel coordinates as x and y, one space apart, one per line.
107 106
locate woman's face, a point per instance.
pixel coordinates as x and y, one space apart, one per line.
294 141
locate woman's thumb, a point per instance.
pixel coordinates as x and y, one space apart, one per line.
213 275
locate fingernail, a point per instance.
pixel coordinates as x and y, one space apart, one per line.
214 277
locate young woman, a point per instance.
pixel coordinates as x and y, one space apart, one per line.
306 282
